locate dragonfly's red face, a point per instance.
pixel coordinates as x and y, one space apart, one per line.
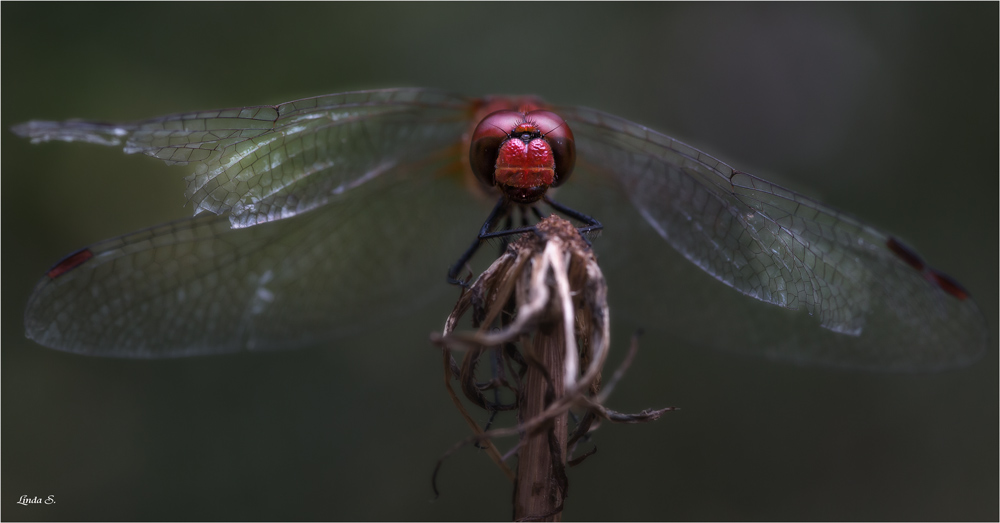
522 153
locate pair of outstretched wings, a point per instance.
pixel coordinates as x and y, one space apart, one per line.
323 211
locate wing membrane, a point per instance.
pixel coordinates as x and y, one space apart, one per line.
364 164
266 163
197 286
780 247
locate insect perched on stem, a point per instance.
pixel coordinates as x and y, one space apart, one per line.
303 211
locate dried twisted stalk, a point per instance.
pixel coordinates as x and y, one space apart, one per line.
562 324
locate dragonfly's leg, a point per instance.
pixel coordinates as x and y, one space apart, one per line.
502 208
509 230
483 235
590 224
508 224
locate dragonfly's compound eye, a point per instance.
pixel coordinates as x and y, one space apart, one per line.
560 138
491 132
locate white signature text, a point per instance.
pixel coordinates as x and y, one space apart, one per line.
35 500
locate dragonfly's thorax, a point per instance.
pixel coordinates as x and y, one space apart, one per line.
522 153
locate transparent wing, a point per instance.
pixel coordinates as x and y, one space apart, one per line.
367 165
876 303
265 163
197 286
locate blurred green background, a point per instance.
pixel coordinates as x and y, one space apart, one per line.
888 111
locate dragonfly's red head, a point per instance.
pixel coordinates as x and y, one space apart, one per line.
522 153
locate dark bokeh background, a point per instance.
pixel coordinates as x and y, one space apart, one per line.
887 111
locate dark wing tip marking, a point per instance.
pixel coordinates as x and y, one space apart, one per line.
939 279
69 263
906 254
947 284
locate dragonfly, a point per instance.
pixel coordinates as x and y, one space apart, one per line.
318 218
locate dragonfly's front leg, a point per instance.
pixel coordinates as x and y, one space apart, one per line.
502 209
591 224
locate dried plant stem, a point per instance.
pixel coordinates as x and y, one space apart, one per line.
548 297
541 464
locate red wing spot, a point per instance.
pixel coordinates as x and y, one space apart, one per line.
947 284
906 254
69 263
